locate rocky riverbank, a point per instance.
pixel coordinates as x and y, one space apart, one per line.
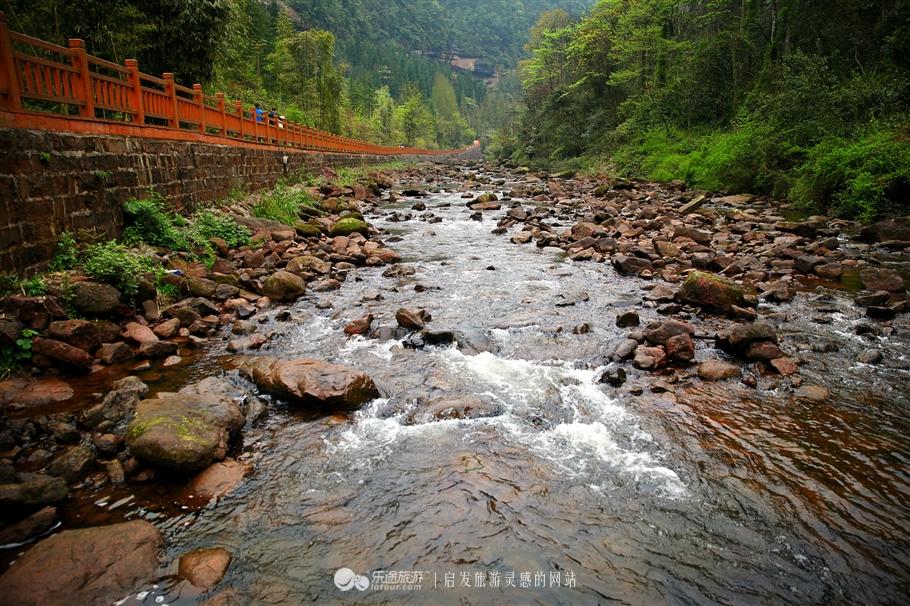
96 407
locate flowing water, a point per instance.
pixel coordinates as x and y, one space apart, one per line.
718 494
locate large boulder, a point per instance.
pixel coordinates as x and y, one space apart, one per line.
79 333
183 432
66 355
881 279
350 225
311 383
711 292
95 299
740 337
283 286
888 230
87 566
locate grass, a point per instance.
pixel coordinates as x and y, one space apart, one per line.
284 205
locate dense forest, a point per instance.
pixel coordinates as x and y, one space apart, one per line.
801 98
363 68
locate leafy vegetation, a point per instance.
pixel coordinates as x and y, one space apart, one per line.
284 205
13 356
117 265
792 98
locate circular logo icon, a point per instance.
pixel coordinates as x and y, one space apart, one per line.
346 579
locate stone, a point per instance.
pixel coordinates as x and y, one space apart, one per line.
711 292
627 319
614 376
658 335
183 432
830 271
680 348
200 287
167 329
218 479
310 383
157 350
763 351
36 524
630 265
33 489
139 334
454 407
350 225
27 393
648 358
283 286
78 333
807 263
624 350
117 404
870 356
412 319
58 351
97 565
204 568
308 264
95 299
73 465
883 231
877 298
785 366
359 327
717 370
114 353
738 338
693 234
108 444
881 278
881 313
814 393
693 205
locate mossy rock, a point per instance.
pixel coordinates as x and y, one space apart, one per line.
305 229
711 292
183 432
350 225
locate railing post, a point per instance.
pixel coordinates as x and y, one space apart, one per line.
221 110
238 107
171 92
136 91
9 77
255 116
80 62
200 101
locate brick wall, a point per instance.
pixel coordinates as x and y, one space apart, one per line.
54 182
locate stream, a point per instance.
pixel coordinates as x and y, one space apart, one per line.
572 491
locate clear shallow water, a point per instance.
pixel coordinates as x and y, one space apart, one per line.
719 495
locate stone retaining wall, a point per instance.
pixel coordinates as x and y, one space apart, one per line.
54 182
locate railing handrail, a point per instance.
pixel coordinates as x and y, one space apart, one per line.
36 85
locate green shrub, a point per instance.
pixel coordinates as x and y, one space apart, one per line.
66 254
283 205
207 225
149 222
115 264
866 177
12 357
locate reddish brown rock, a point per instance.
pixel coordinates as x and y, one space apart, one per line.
204 568
218 479
711 292
139 334
87 566
58 351
413 319
78 333
359 327
717 370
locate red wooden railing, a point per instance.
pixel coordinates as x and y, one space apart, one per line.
42 82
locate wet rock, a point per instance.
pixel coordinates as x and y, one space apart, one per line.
717 370
659 334
204 568
412 319
693 234
78 333
890 229
350 225
218 479
183 432
830 271
623 350
738 338
108 444
26 393
117 404
814 393
114 353
157 349
627 319
878 298
785 366
614 376
648 358
881 278
33 489
806 264
311 383
283 286
35 525
66 355
454 407
167 329
881 313
87 566
630 265
309 264
74 464
711 292
763 351
95 299
680 348
360 327
870 356
139 334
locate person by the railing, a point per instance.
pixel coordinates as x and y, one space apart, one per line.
260 114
